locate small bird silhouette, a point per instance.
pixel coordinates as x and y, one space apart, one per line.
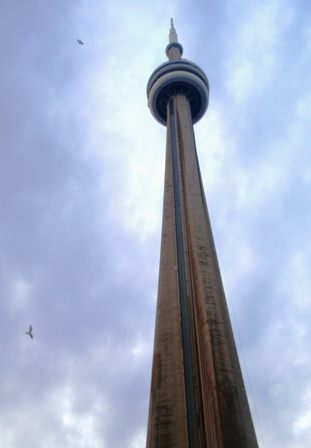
80 42
29 332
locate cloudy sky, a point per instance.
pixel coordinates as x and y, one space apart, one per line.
81 184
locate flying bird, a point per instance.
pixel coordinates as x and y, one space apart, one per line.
29 332
80 42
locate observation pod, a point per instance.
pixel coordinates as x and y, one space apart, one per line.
173 77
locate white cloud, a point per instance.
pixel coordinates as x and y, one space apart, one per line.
22 291
79 428
302 424
140 348
296 283
213 145
254 48
139 441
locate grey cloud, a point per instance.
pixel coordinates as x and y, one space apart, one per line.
86 278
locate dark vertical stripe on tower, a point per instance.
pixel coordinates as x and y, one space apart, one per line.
192 420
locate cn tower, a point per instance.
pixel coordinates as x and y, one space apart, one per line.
197 397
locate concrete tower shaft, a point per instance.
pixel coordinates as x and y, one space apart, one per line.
197 395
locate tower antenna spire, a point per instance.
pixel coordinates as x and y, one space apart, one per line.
174 50
173 35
